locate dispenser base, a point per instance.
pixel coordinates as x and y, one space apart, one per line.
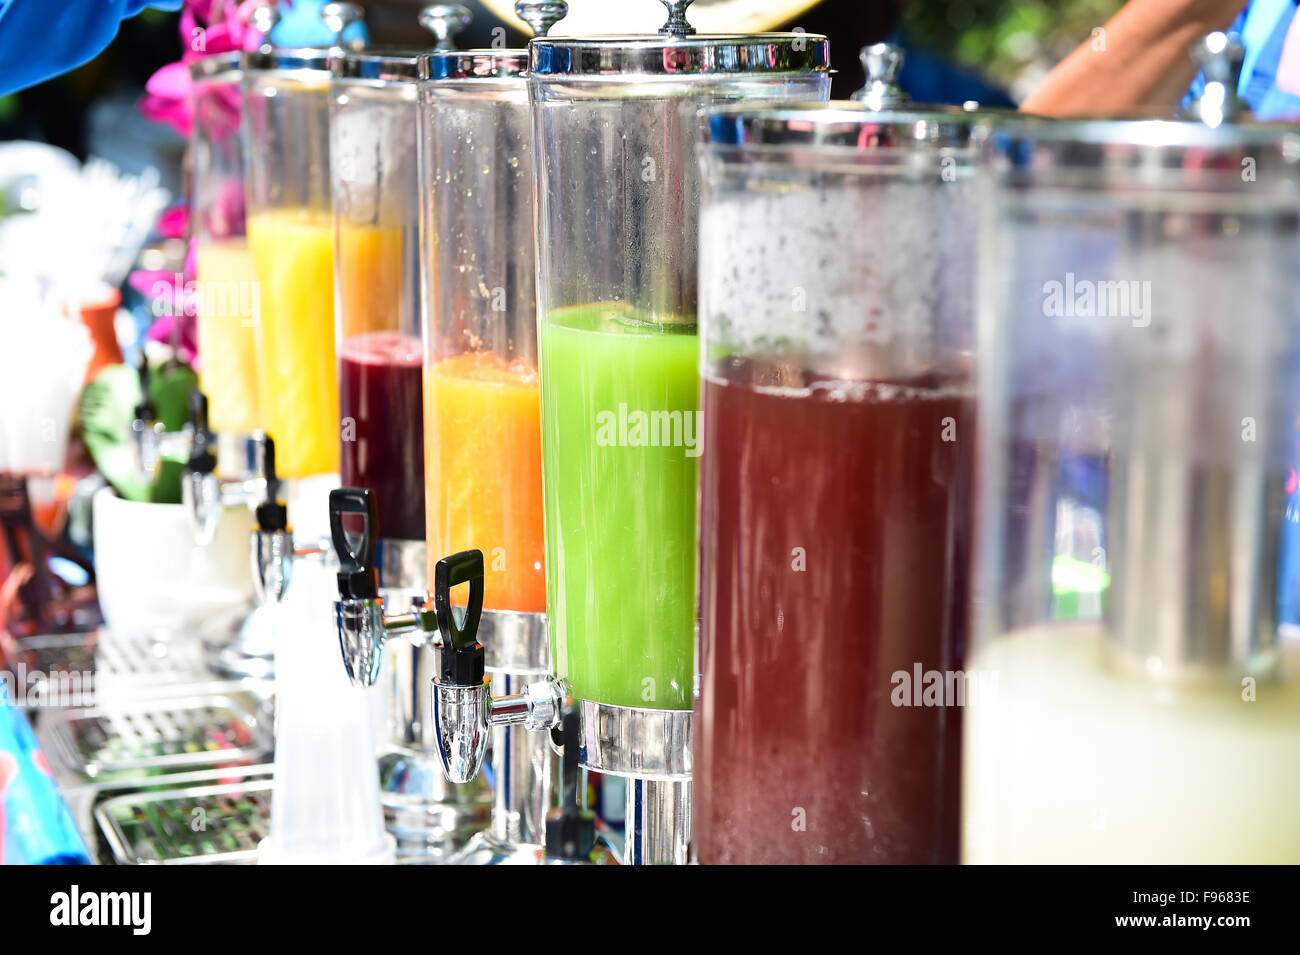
269 852
486 849
428 816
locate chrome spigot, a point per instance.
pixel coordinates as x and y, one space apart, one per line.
271 540
359 612
146 430
200 488
204 494
464 709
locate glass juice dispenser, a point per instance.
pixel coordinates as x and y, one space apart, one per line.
483 462
229 305
377 196
617 121
291 237
836 311
1140 357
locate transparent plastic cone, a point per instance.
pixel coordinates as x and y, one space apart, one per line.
325 806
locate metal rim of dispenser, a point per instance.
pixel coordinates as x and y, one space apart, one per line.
400 65
302 59
215 66
491 64
848 124
723 54
516 643
1153 154
635 741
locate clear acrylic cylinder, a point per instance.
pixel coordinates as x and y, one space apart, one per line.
617 204
291 236
229 304
377 292
1139 349
836 281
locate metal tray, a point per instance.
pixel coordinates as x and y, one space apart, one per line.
158 736
209 824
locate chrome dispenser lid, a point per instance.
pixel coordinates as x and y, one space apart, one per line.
215 65
678 50
377 66
337 18
848 124
287 59
541 15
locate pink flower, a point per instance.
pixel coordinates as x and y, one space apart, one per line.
207 27
174 222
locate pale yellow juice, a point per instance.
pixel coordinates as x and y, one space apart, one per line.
293 251
228 309
1068 759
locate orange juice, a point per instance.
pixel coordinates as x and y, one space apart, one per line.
229 303
293 252
370 261
483 473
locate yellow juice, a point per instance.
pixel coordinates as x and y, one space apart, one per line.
229 303
293 251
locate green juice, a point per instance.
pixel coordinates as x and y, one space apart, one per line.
620 445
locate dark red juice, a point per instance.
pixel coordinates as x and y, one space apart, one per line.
834 534
381 391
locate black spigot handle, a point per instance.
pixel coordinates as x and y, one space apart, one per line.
271 514
570 830
198 410
145 410
202 460
358 576
462 654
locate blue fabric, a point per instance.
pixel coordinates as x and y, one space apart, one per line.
301 25
928 79
1262 28
40 39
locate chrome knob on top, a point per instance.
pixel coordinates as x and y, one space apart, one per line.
339 16
444 21
541 15
676 24
881 62
1220 56
263 20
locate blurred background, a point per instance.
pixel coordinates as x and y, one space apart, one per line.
1003 48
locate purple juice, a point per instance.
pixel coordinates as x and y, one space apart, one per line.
381 404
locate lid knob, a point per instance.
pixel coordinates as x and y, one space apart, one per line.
339 16
1220 56
444 21
881 62
541 15
676 24
263 20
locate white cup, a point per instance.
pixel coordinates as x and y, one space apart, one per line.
152 576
